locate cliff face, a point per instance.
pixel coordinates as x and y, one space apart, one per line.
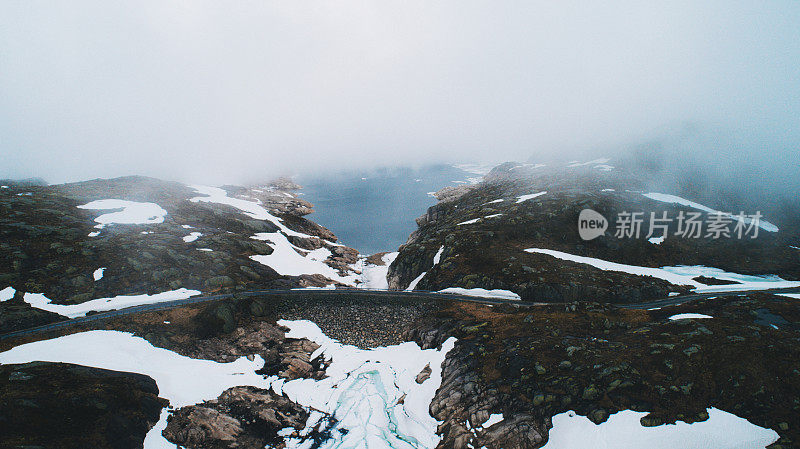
483 233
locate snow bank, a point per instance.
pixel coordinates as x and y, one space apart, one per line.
524 198
721 430
688 316
132 212
40 301
481 292
363 392
375 276
288 262
666 198
679 275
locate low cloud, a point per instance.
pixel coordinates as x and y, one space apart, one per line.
225 92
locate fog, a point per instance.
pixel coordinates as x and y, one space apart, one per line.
220 92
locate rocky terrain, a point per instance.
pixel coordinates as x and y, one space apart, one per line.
480 233
596 360
528 364
51 246
513 369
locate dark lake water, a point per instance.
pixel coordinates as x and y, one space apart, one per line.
374 211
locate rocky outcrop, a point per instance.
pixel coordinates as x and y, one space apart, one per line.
242 417
71 406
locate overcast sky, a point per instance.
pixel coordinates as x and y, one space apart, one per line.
225 91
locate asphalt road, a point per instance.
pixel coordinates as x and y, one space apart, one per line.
389 294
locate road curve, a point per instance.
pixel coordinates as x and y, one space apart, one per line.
665 302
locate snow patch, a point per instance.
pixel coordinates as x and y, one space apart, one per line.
666 198
790 295
524 198
132 212
192 237
679 275
40 301
688 316
7 293
494 418
98 274
288 262
656 240
722 430
482 292
474 220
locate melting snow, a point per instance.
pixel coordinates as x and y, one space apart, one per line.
686 316
679 275
665 198
192 237
623 430
416 280
474 220
523 198
494 418
288 262
132 212
481 292
98 274
374 276
40 301
790 295
363 391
